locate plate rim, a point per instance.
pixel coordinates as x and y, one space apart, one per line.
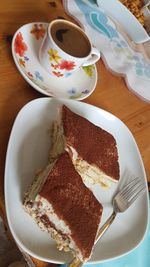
20 242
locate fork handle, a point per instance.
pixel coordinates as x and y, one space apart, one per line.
105 226
76 262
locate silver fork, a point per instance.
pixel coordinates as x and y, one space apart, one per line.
121 202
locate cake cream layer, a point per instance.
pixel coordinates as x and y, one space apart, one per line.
93 150
89 173
93 144
43 213
66 208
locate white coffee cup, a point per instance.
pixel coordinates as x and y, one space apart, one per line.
65 48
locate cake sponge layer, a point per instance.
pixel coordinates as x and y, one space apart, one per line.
93 150
66 208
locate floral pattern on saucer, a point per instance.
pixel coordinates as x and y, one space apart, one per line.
25 46
89 70
119 56
38 31
20 46
58 64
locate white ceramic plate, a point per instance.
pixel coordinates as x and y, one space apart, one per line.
28 151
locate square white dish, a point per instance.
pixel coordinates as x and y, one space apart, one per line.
28 151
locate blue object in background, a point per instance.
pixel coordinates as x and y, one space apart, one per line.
97 19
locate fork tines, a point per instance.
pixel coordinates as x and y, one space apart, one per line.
133 190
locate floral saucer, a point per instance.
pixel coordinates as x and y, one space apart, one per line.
25 47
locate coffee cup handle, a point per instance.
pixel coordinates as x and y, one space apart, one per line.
95 56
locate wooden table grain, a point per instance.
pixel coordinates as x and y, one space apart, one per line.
111 91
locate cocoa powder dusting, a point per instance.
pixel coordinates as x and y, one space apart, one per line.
73 202
93 144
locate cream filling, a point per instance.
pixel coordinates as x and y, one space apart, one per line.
45 208
58 142
90 173
42 207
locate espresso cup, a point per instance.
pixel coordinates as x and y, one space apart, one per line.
66 48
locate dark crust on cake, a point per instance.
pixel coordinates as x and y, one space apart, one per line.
73 202
48 224
93 144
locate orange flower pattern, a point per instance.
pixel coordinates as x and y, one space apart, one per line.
67 65
55 66
20 46
58 74
22 62
38 31
64 67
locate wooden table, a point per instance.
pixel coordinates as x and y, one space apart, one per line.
111 91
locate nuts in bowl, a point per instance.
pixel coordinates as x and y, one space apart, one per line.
135 7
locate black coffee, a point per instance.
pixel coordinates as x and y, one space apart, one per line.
70 39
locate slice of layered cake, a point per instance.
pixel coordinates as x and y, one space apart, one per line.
63 206
92 149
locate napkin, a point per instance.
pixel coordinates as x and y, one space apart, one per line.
117 53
